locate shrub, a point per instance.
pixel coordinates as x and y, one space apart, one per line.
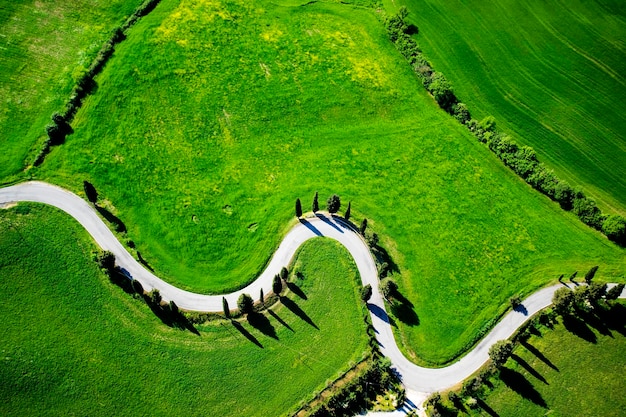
245 303
586 209
500 351
442 91
366 293
614 227
515 301
461 113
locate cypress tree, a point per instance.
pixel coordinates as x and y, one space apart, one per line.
347 215
316 205
277 285
589 275
225 307
262 297
284 274
298 208
363 226
245 303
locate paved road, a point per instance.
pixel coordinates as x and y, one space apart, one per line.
419 381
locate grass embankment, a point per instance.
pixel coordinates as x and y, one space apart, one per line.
202 140
565 373
551 72
43 47
73 343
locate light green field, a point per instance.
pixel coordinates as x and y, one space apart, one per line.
202 140
43 46
551 72
586 377
73 343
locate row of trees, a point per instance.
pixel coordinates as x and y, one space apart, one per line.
333 204
245 303
521 159
85 83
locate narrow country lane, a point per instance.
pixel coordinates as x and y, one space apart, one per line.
419 381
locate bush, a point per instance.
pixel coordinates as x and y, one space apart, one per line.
442 91
461 113
333 204
586 209
614 227
500 352
366 293
245 303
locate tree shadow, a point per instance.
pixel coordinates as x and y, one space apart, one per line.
328 222
521 308
144 262
539 355
381 314
486 407
518 383
111 218
246 333
295 309
311 227
596 322
297 290
529 368
262 324
579 328
405 312
169 317
280 320
121 280
384 259
614 318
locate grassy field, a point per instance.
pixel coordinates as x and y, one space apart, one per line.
75 343
43 46
200 141
551 72
565 373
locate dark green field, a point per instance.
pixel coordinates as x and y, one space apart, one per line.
551 72
565 373
73 343
44 45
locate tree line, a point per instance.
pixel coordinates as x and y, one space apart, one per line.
521 159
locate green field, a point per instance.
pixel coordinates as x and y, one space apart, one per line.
43 46
564 373
551 72
200 141
73 343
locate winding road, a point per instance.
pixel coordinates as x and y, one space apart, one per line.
419 381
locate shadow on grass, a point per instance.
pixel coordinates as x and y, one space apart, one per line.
404 311
614 318
296 290
262 324
539 355
144 262
518 383
295 309
529 368
579 328
280 320
486 407
171 318
111 218
246 333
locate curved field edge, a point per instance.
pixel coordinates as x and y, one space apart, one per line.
465 233
75 342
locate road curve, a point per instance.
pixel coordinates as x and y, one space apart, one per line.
418 380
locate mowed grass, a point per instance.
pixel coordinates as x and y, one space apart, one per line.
73 343
586 377
202 139
43 46
551 72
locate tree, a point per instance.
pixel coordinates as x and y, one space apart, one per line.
277 285
173 307
614 293
388 288
284 274
571 277
614 227
581 297
347 215
563 299
363 227
316 205
106 260
442 91
261 297
515 301
225 307
500 352
298 208
590 274
366 293
333 203
245 304
90 192
155 297
596 292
